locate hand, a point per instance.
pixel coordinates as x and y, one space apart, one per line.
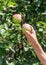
30 35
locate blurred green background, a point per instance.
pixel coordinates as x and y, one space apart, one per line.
14 48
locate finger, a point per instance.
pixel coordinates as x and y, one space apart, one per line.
32 29
27 33
28 37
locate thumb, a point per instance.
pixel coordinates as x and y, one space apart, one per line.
28 34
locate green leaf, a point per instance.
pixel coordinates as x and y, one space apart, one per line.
1 61
2 51
11 4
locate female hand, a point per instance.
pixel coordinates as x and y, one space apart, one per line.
30 35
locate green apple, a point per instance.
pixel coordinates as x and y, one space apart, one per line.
26 27
17 18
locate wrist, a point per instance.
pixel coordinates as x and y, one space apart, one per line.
35 41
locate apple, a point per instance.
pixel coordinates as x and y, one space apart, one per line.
26 27
17 18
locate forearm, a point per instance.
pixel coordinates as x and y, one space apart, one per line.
31 37
40 53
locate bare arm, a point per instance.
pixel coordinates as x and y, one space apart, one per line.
31 37
40 53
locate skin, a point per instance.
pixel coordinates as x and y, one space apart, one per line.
32 39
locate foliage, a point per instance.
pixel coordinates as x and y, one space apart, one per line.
14 48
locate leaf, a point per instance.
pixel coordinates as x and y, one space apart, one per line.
2 52
11 4
2 31
1 61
